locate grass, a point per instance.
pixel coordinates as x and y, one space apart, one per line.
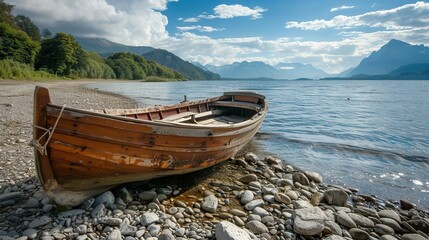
10 69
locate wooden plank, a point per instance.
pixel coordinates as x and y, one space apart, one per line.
236 104
234 119
201 115
178 116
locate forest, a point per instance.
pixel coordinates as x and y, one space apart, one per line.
28 53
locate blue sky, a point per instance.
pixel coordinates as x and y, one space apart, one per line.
331 35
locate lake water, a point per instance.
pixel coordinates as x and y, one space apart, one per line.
371 135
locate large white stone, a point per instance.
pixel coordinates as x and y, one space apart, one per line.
309 221
229 231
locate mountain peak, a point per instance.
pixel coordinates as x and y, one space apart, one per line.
391 56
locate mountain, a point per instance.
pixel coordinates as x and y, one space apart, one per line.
299 70
245 70
262 70
174 62
391 56
107 48
345 73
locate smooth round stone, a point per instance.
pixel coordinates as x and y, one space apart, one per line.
335 196
148 218
81 229
390 214
238 221
313 176
309 221
237 213
248 178
147 195
366 211
260 212
114 235
391 223
229 231
345 220
30 233
255 184
361 220
383 229
180 204
257 227
333 237
110 221
153 206
253 204
292 195
154 230
254 217
246 197
284 182
301 178
267 219
172 210
334 227
388 237
32 203
358 234
269 198
128 230
282 198
107 198
210 203
412 236
251 157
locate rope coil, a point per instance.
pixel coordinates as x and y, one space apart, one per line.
35 143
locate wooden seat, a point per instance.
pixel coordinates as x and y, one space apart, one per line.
178 116
237 104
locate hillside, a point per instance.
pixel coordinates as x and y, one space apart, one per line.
299 70
174 62
107 48
391 56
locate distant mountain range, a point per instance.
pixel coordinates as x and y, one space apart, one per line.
262 70
395 54
174 62
107 48
395 60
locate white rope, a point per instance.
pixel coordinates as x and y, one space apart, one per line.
36 142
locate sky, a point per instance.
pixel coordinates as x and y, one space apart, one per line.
331 35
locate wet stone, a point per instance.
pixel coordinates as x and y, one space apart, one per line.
314 176
301 178
361 220
248 178
345 220
391 223
335 196
358 234
389 214
383 229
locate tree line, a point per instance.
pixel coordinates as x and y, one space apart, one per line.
25 52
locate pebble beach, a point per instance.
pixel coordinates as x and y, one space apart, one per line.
253 196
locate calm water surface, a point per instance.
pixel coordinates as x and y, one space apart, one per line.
372 135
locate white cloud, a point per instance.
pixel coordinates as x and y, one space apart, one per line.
403 17
224 11
341 8
200 28
191 20
131 22
236 10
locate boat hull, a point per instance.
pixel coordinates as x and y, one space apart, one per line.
89 152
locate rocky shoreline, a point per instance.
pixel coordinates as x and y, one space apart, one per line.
249 197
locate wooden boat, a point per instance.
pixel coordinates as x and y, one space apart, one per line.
81 153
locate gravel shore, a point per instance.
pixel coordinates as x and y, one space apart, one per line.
249 197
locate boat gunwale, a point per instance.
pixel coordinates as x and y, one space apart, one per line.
160 122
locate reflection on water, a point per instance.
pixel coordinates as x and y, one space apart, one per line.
373 135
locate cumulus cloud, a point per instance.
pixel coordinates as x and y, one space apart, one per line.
341 8
132 22
200 28
224 11
190 20
409 16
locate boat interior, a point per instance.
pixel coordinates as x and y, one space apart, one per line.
228 109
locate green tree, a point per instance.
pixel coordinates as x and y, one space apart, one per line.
6 13
26 25
46 33
62 55
17 45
